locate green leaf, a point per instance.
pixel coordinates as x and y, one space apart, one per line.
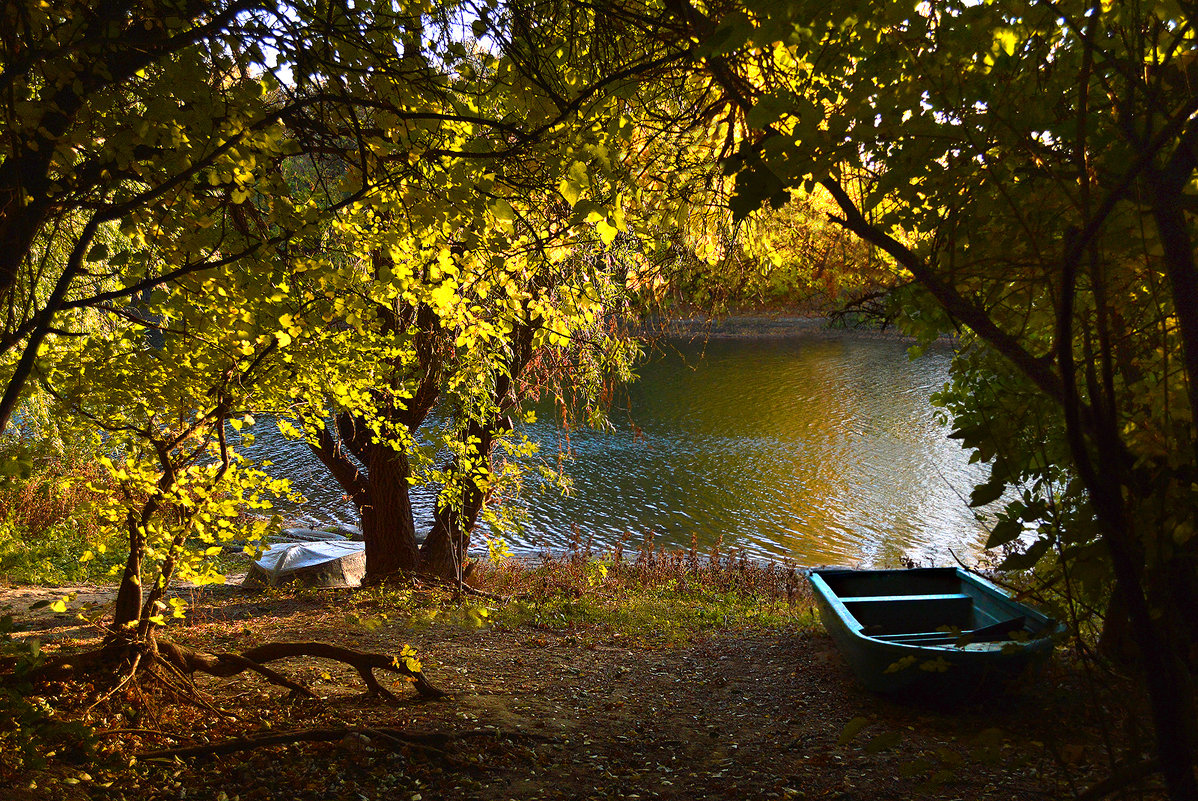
575 182
852 729
98 252
1006 40
755 186
986 493
503 211
767 110
1027 559
732 33
1004 531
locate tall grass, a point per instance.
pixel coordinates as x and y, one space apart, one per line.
44 524
650 593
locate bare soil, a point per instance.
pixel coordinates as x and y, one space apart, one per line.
566 712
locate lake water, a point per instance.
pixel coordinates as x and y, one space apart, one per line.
821 449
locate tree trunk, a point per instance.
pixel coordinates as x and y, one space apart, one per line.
128 598
128 605
1117 641
1168 678
444 551
1105 475
380 494
1169 215
387 524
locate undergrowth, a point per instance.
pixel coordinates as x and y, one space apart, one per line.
649 594
44 527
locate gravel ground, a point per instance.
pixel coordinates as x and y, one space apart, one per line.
570 712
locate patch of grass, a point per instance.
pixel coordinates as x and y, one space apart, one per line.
652 596
654 616
51 557
44 525
229 562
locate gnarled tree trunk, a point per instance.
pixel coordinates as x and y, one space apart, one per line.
443 553
375 477
387 524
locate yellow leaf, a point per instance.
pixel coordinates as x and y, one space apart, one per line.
442 296
503 211
1006 40
607 232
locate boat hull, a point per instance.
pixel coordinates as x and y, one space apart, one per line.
929 631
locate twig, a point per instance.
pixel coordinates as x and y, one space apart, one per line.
432 742
128 677
191 696
112 732
468 590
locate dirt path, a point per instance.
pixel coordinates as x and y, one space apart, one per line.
758 716
582 715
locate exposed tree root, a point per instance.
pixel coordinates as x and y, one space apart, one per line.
433 742
184 662
365 662
466 589
188 661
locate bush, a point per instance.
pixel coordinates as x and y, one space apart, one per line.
44 519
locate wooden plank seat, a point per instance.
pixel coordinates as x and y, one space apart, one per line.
906 614
888 599
995 632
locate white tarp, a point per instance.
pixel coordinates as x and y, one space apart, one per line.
306 535
330 563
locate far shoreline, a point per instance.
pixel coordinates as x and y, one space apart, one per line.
765 326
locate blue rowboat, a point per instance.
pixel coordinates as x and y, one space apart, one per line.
931 631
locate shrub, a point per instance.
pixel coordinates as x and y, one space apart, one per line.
44 519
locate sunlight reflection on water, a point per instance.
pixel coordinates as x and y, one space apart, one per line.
823 450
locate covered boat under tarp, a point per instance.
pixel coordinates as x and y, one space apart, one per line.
329 563
311 535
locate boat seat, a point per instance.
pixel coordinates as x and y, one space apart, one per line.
995 632
889 599
901 614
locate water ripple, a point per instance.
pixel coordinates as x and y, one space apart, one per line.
815 450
